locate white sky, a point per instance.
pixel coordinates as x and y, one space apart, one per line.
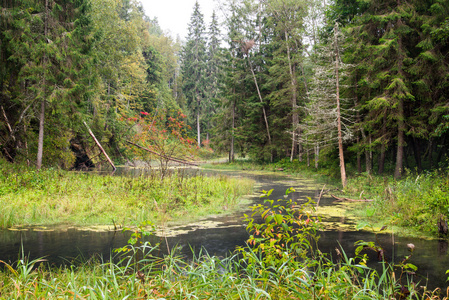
174 15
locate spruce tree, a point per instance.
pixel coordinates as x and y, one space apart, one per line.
214 73
50 46
194 67
386 34
287 26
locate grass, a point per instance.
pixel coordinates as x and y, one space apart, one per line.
247 274
412 205
53 196
280 260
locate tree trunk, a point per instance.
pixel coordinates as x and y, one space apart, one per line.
367 152
100 147
340 138
401 142
40 143
417 153
26 143
358 120
381 167
198 129
301 148
261 101
383 147
231 154
441 151
401 116
308 153
294 101
359 156
431 148
308 156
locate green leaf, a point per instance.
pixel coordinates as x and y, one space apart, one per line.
362 225
278 218
411 266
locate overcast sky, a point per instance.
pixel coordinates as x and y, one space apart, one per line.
174 15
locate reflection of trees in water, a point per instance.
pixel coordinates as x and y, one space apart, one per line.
442 247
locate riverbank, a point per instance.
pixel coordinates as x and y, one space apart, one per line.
53 196
279 262
411 206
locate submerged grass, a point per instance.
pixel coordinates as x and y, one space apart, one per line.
412 206
53 196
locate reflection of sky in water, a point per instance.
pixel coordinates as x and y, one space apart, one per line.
219 235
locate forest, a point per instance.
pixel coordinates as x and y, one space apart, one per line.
345 82
352 89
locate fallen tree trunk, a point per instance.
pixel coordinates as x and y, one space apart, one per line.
178 160
351 200
101 148
321 195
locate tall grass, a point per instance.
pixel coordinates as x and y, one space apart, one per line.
53 196
415 202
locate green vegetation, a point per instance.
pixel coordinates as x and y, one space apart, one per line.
412 205
415 203
52 196
275 264
272 91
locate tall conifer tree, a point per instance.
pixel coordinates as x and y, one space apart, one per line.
194 67
214 70
50 46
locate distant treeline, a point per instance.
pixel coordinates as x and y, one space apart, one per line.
262 82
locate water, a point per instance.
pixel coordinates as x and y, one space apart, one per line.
220 235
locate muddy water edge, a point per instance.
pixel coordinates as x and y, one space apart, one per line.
219 235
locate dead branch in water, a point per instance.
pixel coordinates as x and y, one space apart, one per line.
321 195
351 200
178 160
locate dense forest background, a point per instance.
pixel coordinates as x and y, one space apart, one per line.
277 79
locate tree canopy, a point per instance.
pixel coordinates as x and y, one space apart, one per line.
264 79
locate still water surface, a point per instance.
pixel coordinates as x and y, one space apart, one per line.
220 235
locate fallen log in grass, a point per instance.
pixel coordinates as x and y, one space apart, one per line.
351 200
